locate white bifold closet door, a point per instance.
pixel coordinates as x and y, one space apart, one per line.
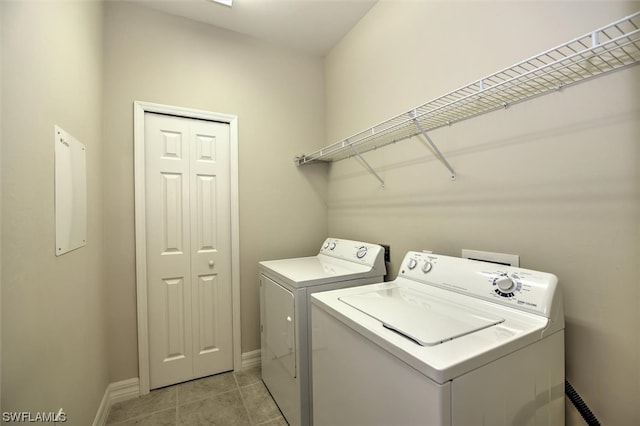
188 220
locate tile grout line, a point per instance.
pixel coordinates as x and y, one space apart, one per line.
244 403
177 394
267 421
208 395
139 416
177 405
147 413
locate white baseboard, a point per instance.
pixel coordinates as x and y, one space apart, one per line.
124 390
116 392
130 388
251 359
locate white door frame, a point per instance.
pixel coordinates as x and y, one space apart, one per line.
139 108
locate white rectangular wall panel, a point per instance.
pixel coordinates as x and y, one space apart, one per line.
70 192
487 256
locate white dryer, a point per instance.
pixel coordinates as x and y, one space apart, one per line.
285 289
449 342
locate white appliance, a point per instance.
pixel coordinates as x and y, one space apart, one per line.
450 341
285 288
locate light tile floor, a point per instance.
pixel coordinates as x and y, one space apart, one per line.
227 399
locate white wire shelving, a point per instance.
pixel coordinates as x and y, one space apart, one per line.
601 51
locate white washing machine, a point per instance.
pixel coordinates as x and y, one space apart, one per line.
285 288
450 341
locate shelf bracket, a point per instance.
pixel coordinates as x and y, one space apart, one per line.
367 165
435 149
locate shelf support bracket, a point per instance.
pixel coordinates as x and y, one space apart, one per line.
367 165
435 149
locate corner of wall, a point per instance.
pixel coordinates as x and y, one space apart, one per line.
114 393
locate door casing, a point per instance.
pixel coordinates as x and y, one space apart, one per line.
140 226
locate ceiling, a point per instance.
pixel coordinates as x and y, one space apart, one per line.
312 26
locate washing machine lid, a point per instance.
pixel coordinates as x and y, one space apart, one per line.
316 270
469 318
426 319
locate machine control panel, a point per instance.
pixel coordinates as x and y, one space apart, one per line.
412 262
507 286
355 251
517 287
329 245
361 252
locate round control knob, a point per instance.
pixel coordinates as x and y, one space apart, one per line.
332 246
362 252
427 267
505 284
412 263
326 245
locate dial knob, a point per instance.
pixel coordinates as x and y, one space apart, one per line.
332 246
427 267
505 284
362 252
412 263
326 245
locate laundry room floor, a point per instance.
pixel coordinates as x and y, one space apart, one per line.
234 398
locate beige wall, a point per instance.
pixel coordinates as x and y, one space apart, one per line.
53 317
1 27
554 180
278 97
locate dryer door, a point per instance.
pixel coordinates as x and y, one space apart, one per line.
279 326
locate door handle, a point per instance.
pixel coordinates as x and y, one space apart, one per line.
290 333
211 263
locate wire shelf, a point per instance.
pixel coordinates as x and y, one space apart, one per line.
603 50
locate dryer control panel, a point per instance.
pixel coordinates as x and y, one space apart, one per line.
521 288
355 251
